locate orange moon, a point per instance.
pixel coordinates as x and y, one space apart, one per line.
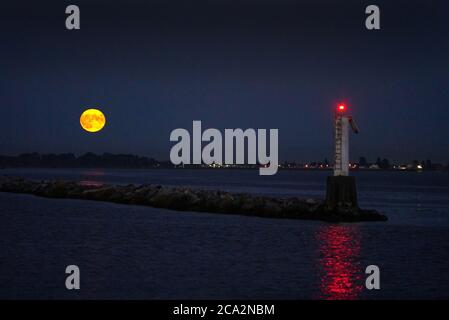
92 120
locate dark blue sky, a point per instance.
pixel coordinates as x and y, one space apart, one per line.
153 66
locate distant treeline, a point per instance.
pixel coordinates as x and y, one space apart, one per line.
70 160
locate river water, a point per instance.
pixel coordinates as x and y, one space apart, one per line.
133 252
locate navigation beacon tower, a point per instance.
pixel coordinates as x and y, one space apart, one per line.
341 190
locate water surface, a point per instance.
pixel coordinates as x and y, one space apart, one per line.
146 253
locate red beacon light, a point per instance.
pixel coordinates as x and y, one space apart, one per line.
341 108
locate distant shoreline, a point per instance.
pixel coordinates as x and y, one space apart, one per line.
221 169
131 161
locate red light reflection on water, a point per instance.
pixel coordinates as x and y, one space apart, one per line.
90 178
340 272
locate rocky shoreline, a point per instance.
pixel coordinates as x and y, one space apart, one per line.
188 199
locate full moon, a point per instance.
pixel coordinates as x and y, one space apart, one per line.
92 120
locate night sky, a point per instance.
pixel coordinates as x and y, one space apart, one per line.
153 66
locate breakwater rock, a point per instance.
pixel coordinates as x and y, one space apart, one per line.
188 199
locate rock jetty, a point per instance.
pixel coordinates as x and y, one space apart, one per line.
188 199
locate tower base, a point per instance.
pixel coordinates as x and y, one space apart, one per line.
341 192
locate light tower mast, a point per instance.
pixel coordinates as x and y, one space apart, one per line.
341 140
